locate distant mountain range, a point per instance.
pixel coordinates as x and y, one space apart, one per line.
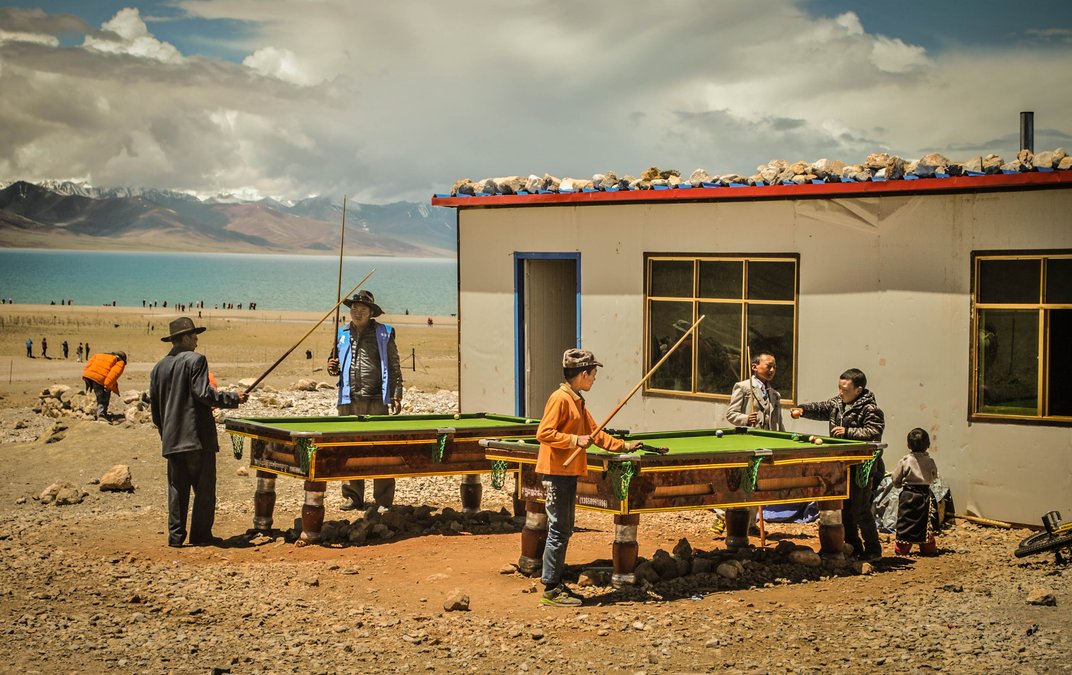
75 216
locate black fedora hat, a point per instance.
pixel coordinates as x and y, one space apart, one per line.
364 298
181 326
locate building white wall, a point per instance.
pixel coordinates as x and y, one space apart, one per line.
884 286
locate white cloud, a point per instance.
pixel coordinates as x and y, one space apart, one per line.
32 38
126 33
894 56
278 63
387 101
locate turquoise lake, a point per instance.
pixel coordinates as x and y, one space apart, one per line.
276 282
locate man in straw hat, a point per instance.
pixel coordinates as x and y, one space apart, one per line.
370 381
182 402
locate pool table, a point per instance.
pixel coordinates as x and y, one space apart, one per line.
321 449
701 469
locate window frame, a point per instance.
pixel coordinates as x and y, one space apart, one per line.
1043 310
787 397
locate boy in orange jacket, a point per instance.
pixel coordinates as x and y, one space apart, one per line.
565 426
102 376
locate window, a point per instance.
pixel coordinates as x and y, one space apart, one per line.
750 305
1022 323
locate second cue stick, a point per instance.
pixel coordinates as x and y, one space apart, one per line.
628 396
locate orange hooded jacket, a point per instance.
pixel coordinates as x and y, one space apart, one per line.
105 369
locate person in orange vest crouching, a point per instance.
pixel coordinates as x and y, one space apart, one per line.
102 376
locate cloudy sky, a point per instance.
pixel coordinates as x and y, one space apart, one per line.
396 100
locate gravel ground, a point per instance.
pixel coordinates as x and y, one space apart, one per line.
91 587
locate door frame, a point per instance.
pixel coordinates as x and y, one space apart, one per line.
519 313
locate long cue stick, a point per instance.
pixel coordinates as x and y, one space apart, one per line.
644 379
338 290
315 326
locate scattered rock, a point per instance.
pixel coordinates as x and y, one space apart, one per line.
457 601
1042 596
117 479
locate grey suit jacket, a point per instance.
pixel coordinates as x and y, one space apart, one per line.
743 401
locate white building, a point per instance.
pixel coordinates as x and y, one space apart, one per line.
953 295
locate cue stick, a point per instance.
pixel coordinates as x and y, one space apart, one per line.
315 326
334 354
644 379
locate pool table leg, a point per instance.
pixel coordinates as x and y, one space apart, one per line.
312 513
738 520
264 502
831 529
533 539
471 491
625 549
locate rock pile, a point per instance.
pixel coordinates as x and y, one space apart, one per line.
878 166
306 398
60 400
376 525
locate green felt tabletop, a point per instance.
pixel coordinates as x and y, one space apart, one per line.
685 442
383 423
707 441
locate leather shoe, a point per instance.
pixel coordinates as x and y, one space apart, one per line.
208 541
352 506
175 544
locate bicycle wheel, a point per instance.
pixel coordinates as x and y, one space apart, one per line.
1042 542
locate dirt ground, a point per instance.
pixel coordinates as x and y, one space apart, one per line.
92 587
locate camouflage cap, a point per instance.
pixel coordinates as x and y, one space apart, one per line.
579 358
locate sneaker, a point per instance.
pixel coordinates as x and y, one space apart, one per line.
352 506
559 596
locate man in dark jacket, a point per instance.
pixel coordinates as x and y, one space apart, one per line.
854 414
182 402
370 381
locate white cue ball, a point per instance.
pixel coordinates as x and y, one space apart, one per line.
457 416
718 434
818 441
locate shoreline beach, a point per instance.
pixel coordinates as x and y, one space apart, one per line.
239 344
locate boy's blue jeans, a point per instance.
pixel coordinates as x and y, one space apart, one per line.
560 507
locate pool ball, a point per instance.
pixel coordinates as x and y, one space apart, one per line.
796 437
818 441
457 416
718 434
811 439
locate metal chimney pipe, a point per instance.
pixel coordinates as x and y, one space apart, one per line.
1027 131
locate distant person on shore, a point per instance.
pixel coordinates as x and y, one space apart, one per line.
44 348
66 349
87 351
79 352
182 401
370 381
29 348
102 374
